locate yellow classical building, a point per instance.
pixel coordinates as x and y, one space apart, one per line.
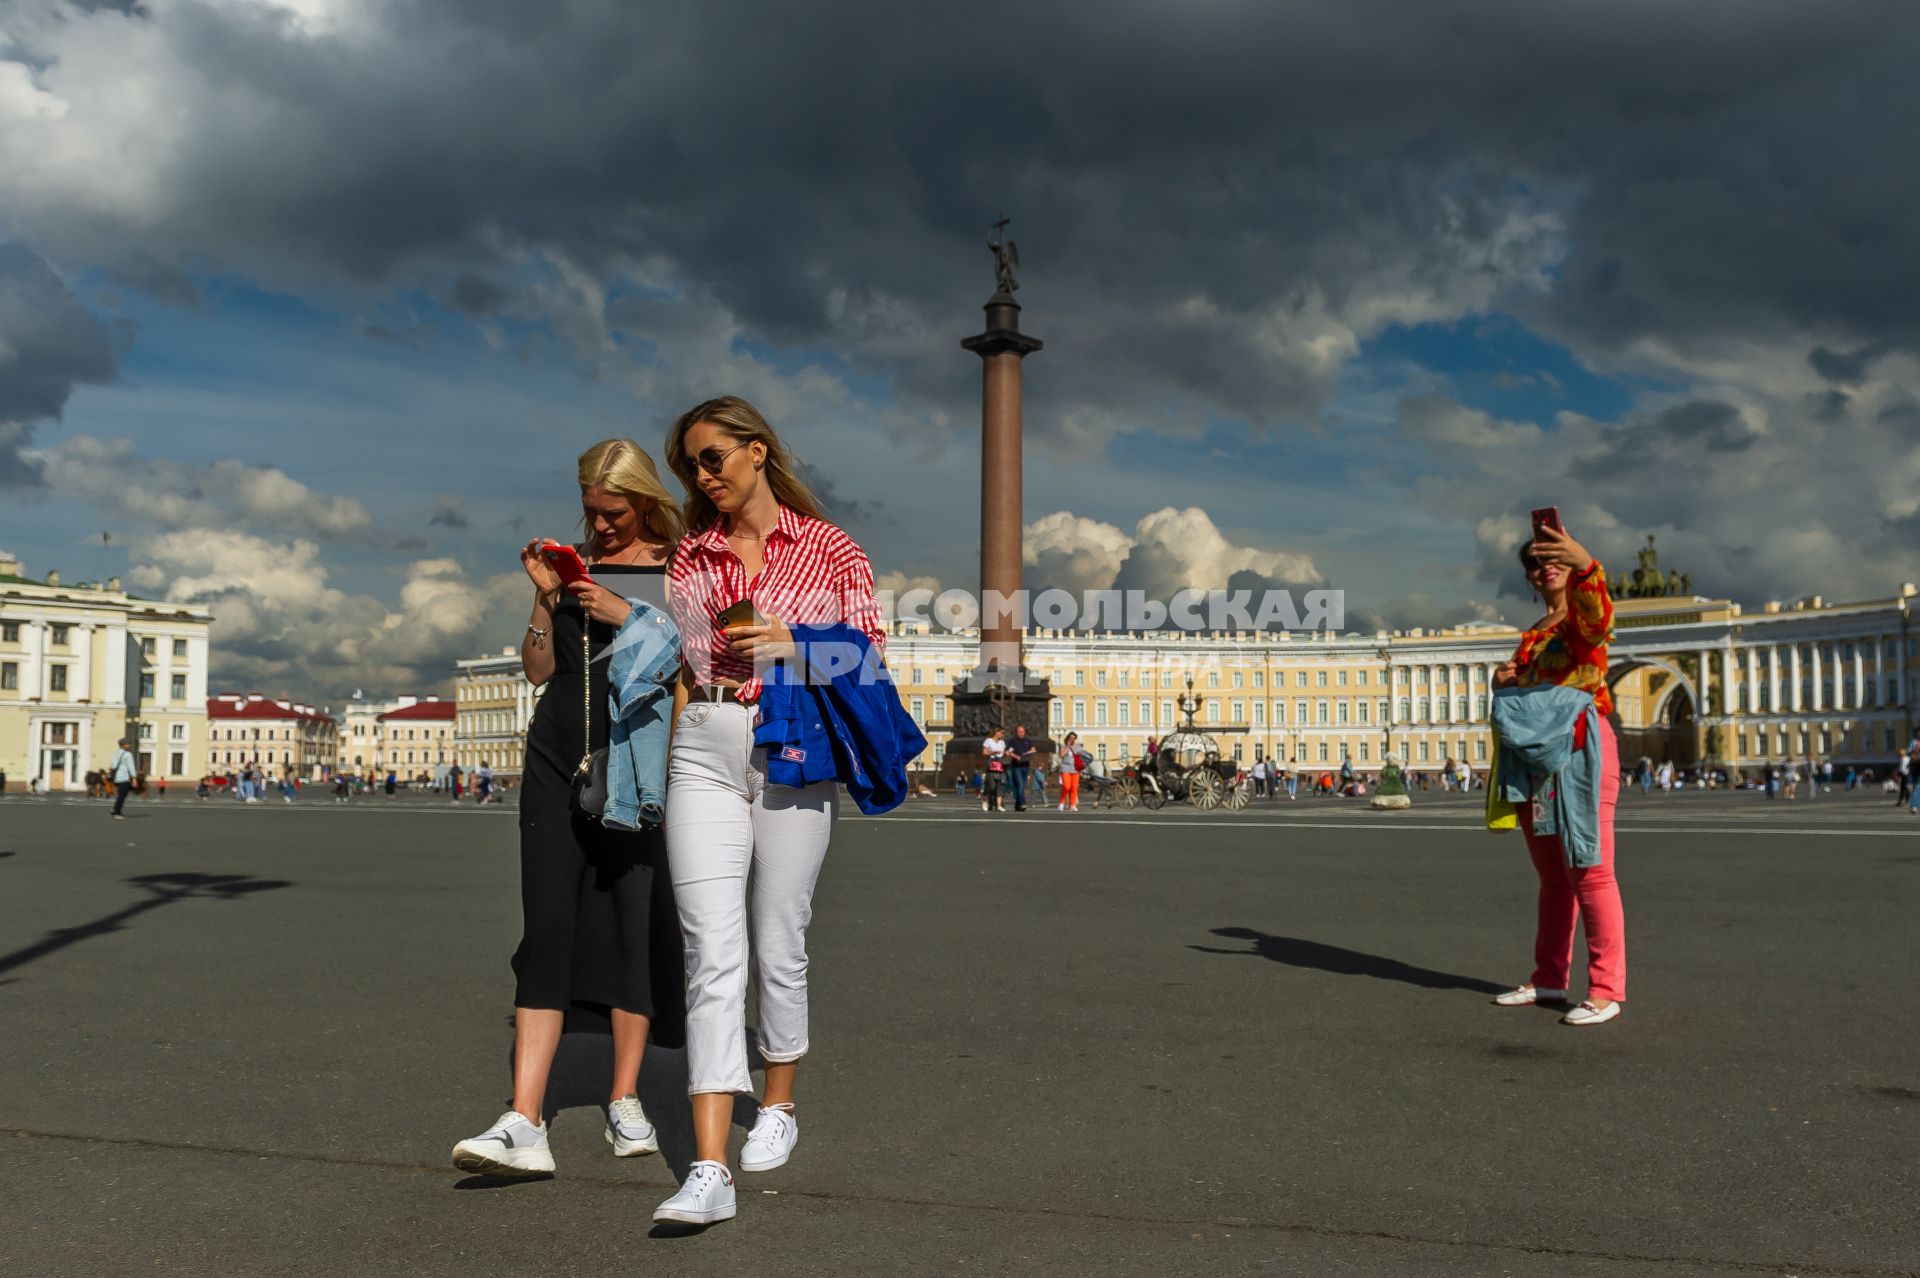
83 665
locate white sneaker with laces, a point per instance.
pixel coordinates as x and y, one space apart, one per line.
628 1130
705 1198
1588 1014
1527 996
772 1139
511 1147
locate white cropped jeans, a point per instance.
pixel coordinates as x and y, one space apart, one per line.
723 818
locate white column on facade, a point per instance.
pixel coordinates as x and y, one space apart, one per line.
1879 669
1703 663
80 674
1728 704
1753 680
1794 699
33 676
1817 691
1773 678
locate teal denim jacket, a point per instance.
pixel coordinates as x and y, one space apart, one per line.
641 661
1533 729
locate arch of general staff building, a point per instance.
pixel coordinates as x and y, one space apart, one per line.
1702 680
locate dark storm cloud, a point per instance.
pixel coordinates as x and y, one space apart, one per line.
1214 206
49 343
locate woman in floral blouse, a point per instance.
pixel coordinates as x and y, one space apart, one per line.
1568 647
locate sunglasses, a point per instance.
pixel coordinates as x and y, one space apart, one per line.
713 458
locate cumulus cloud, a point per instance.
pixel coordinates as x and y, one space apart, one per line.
1168 551
112 474
276 613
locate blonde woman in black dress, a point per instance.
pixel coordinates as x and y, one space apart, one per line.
601 933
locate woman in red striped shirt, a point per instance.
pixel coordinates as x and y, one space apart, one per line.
755 536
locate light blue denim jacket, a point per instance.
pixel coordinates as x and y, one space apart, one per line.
1535 762
641 663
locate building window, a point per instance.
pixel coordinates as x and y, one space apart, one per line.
1259 714
1299 678
1079 712
1425 755
1363 708
146 685
1364 745
1323 751
146 649
1340 712
60 634
1146 713
1319 678
1166 714
1259 678
1213 678
1100 713
1059 712
919 710
1236 678
1099 678
1300 713
1459 709
57 678
1320 712
1124 707
1340 678
1480 749
176 763
1124 679
9 676
1361 678
1079 678
1279 713
178 732
9 632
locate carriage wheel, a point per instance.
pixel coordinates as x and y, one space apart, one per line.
1205 788
1130 792
1239 794
1153 796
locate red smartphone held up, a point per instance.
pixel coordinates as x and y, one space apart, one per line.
566 561
1546 517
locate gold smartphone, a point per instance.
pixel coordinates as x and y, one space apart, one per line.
740 613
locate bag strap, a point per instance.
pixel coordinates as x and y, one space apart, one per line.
586 692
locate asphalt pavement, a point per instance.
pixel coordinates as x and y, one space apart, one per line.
241 1040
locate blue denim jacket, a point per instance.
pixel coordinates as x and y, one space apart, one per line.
641 663
832 713
1534 761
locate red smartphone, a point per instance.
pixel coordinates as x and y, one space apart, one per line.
739 613
1546 517
566 561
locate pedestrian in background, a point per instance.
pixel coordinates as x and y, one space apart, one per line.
1072 763
121 769
1019 765
994 748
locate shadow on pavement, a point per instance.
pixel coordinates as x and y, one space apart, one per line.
161 889
1296 952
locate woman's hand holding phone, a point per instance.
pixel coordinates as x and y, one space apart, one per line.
601 604
539 571
768 640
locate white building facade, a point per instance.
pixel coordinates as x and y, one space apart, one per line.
81 665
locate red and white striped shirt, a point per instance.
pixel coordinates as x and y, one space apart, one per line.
814 575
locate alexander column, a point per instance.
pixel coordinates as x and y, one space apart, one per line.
999 692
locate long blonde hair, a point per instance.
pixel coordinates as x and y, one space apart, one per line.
742 422
622 466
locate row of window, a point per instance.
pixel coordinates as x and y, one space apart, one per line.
60 635
1363 751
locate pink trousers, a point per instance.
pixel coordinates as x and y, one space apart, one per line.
1590 895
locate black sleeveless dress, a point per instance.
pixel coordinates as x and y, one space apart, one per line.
600 928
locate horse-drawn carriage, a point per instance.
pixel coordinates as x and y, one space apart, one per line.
1188 769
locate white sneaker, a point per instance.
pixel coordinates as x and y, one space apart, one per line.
628 1130
706 1198
771 1141
1527 996
1588 1014
511 1147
